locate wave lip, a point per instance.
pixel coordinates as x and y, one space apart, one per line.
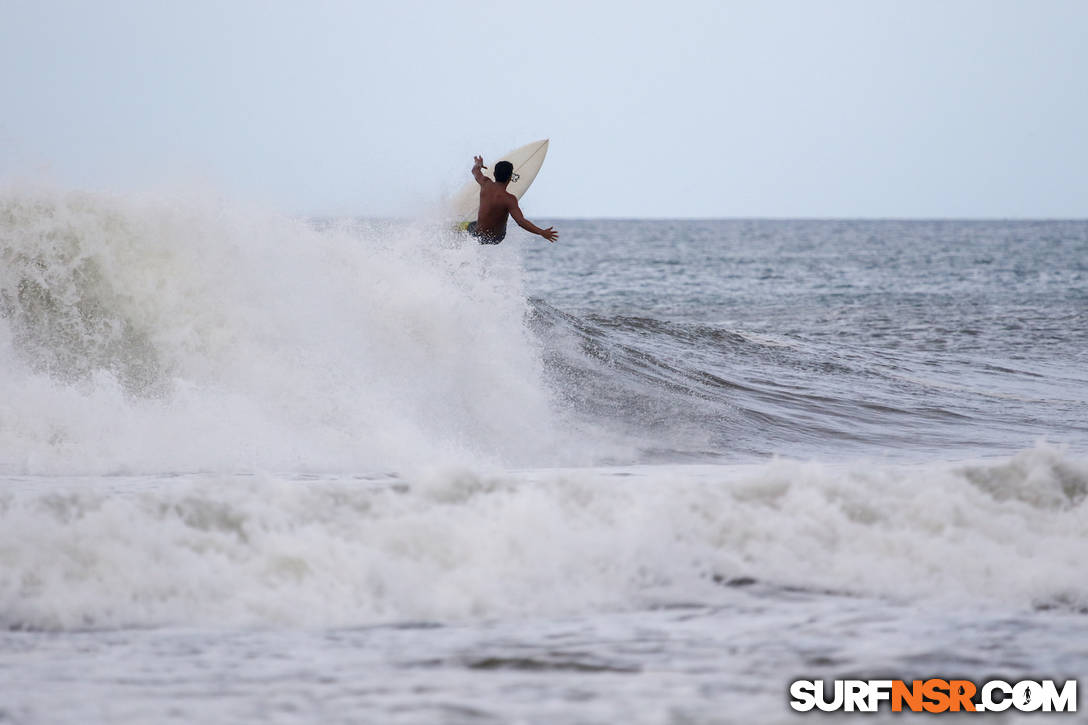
158 333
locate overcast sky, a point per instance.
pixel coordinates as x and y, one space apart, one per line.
950 108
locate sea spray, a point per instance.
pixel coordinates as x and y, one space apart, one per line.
178 334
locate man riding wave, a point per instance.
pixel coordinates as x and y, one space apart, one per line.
497 205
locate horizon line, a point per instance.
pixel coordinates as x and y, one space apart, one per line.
745 218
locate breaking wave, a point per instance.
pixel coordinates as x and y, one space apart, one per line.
454 543
163 334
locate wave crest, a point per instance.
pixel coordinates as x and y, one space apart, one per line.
163 333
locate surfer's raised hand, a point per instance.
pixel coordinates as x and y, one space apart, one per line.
477 164
550 234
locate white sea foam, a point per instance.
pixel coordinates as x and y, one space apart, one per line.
448 544
179 334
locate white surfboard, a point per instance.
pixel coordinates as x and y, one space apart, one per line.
527 161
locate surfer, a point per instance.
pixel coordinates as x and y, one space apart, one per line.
497 205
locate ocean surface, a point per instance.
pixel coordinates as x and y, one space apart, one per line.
256 468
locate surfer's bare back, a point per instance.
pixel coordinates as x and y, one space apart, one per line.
497 204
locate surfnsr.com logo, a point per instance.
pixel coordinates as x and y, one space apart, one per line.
933 695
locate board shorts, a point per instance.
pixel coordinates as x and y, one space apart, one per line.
484 238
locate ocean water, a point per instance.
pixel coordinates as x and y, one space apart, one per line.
255 468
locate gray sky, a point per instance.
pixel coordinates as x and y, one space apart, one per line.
952 108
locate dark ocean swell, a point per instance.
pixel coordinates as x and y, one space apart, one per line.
689 391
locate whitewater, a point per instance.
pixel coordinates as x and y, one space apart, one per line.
258 467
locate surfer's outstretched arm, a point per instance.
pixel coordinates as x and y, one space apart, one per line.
478 163
515 211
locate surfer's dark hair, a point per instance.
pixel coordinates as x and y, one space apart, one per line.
503 171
